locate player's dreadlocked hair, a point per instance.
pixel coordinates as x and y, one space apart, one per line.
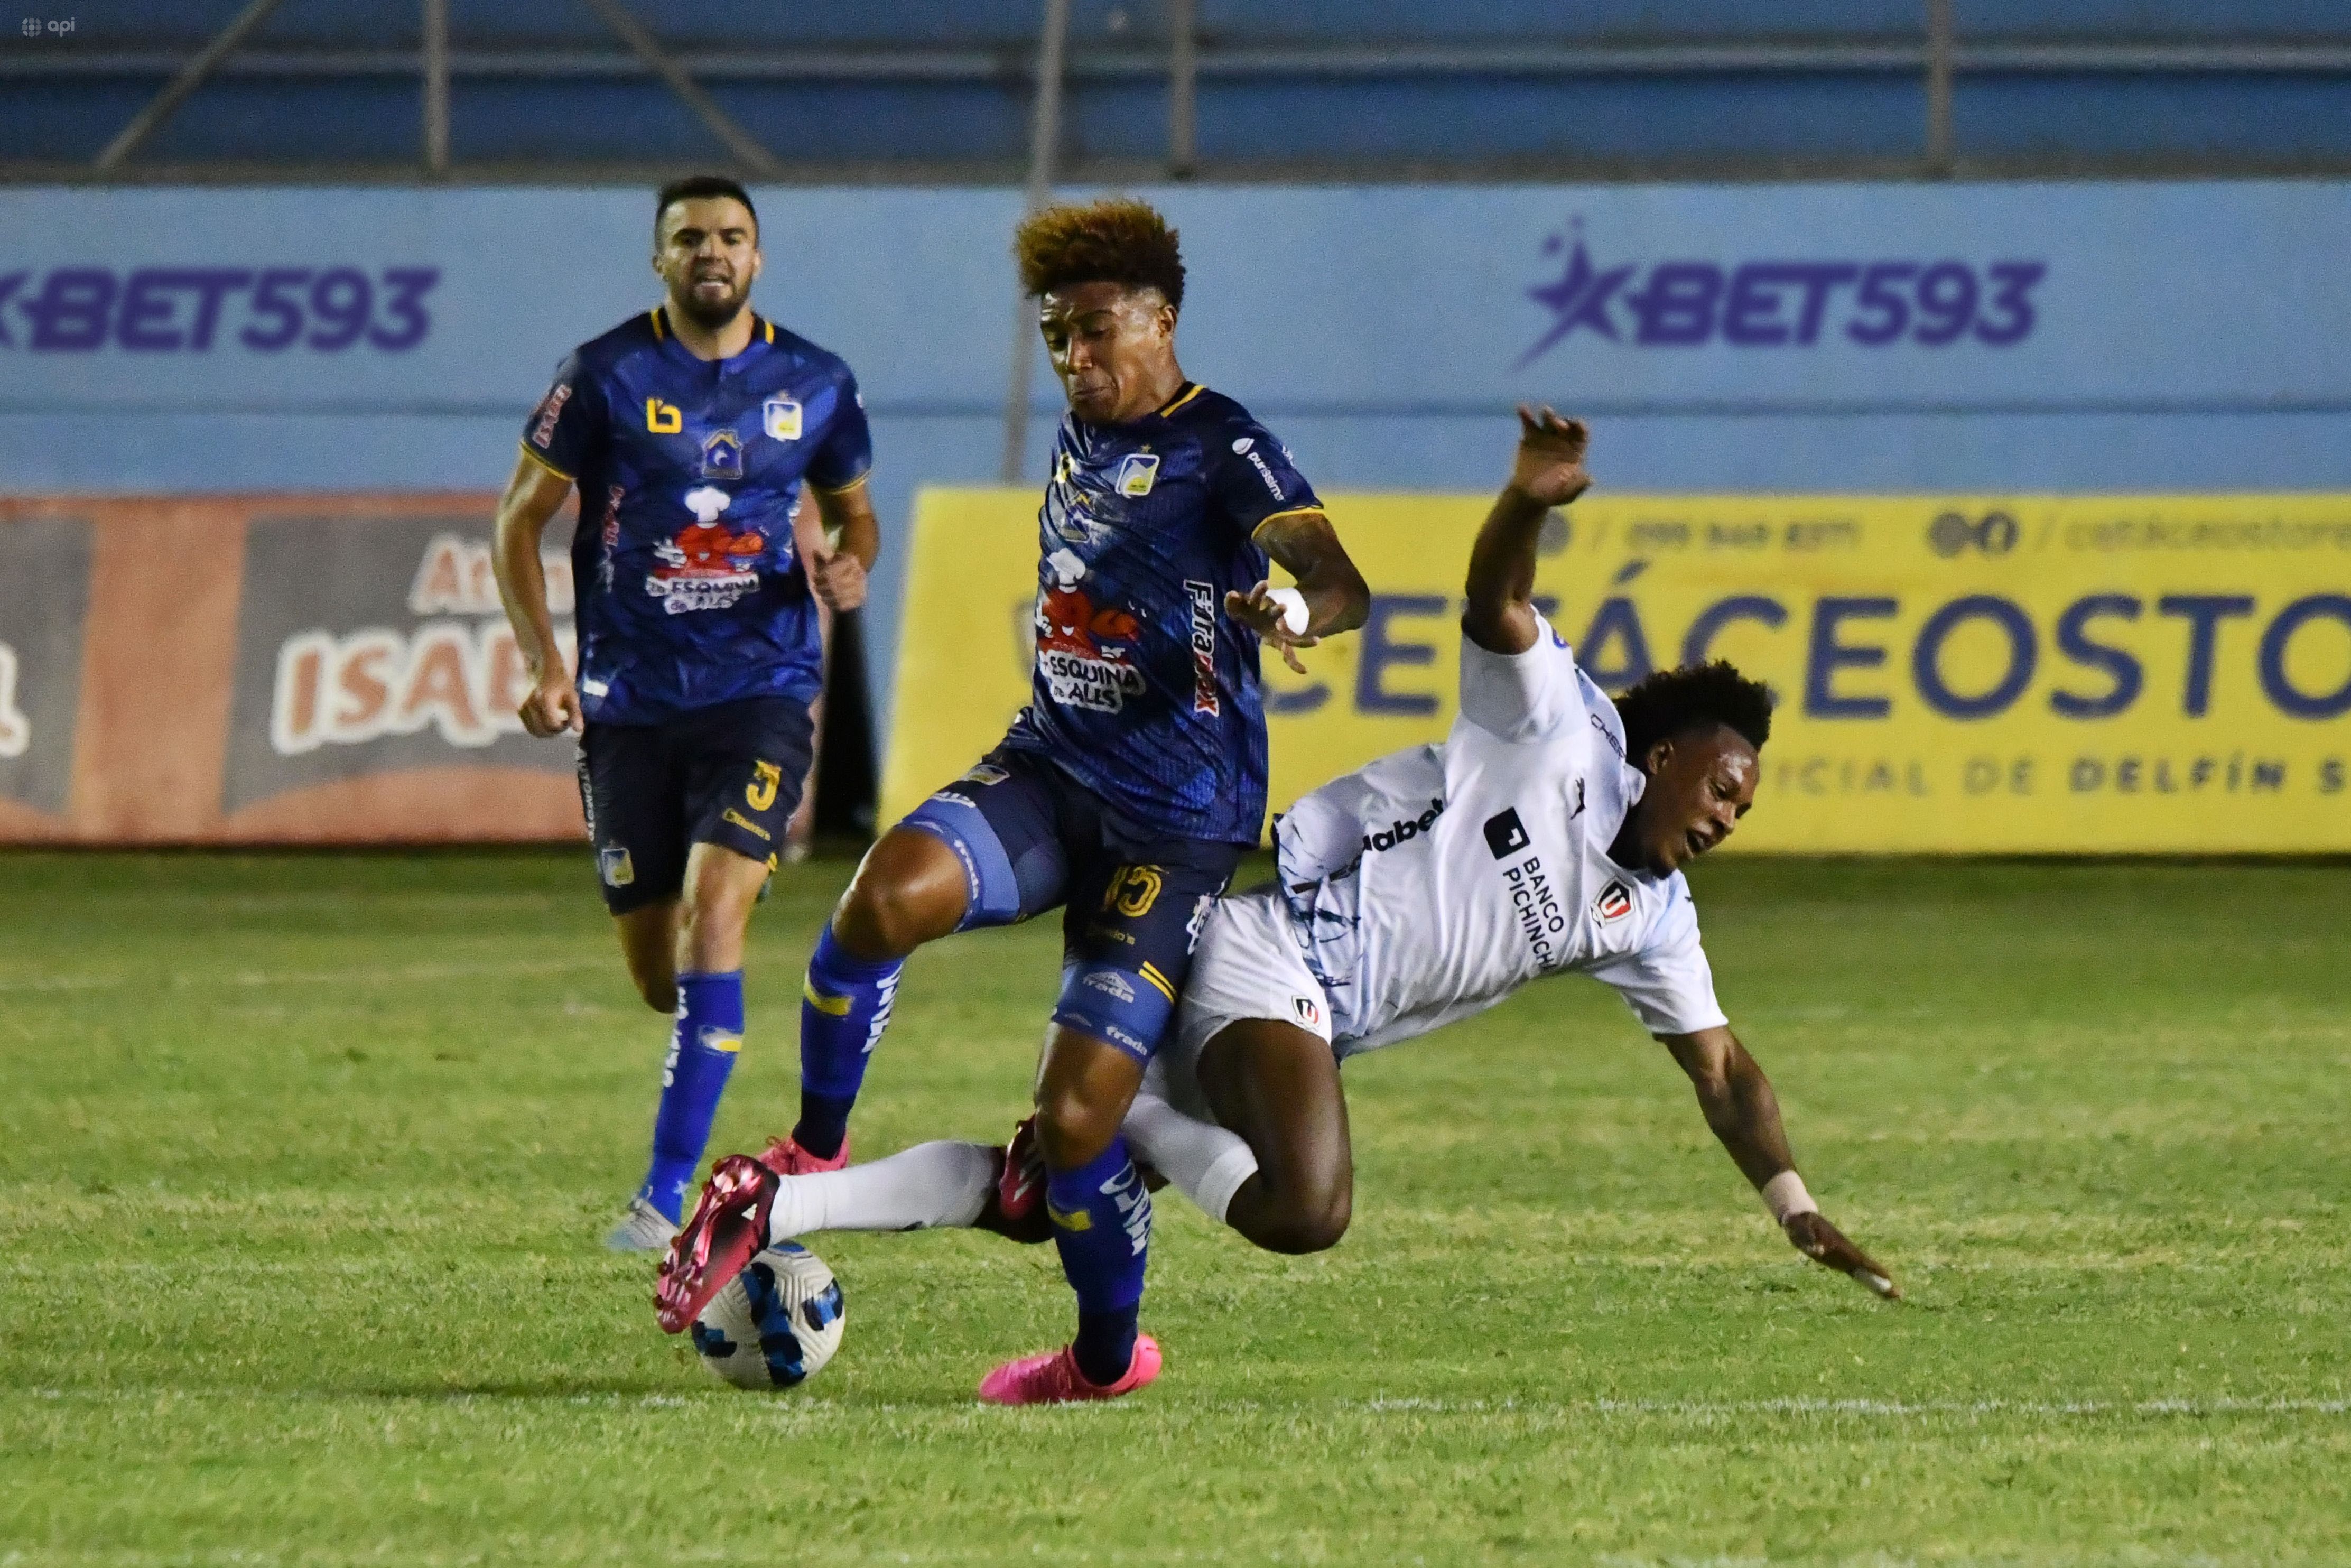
1115 240
1670 702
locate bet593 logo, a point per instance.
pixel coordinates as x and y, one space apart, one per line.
1786 303
188 309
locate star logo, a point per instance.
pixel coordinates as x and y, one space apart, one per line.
1580 298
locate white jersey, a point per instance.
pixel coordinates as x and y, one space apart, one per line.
1431 884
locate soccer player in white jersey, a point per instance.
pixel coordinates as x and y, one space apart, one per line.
1545 835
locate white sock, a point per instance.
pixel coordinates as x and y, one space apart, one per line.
925 1187
1205 1162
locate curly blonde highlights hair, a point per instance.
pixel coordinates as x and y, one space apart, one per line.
1115 240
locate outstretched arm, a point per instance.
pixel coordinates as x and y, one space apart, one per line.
1547 472
533 496
1745 1114
1335 598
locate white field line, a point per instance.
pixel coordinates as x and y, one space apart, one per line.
1887 1408
835 1410
408 974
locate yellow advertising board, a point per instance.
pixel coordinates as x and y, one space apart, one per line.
1966 674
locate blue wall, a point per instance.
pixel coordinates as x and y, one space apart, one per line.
1264 119
2174 337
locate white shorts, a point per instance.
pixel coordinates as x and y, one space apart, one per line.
1249 964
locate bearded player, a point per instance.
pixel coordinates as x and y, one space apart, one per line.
1546 835
1124 794
690 432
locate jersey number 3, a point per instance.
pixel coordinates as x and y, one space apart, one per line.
760 792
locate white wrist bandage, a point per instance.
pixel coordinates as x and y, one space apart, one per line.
1293 610
1785 1196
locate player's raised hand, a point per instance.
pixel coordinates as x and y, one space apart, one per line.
1548 468
1278 615
553 705
1824 1244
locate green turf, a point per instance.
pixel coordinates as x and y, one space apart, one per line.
303 1163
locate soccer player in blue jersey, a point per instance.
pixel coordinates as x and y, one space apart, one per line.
690 430
1123 795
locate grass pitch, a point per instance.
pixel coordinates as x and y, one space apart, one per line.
304 1160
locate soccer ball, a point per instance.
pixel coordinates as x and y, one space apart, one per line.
774 1324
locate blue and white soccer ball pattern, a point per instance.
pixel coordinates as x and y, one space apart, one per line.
776 1323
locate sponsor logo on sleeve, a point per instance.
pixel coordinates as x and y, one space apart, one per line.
550 411
1307 1011
1403 830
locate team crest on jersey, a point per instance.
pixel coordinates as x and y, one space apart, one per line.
1083 651
1614 903
1136 471
780 418
722 455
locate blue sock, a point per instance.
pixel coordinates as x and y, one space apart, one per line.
1101 1224
703 1044
845 1007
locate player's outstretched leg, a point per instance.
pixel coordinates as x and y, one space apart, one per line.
911 889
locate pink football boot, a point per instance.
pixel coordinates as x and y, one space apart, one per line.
1053 1379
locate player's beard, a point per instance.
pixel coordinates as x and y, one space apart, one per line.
710 315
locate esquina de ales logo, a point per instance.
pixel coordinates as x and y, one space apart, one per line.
1785 302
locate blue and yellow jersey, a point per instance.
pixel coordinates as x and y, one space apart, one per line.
1144 691
689 590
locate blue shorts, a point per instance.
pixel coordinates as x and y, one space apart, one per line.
728 775
1032 839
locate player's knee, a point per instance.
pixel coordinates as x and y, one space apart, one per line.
1071 1129
1313 1220
887 915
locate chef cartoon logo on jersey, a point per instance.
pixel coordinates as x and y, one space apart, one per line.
1614 903
706 565
1083 653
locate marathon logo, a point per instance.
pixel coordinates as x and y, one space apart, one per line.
1203 647
1403 829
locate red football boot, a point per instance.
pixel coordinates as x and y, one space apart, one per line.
727 1229
1021 1185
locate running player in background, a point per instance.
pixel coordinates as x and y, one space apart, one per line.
1545 836
1124 794
690 430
